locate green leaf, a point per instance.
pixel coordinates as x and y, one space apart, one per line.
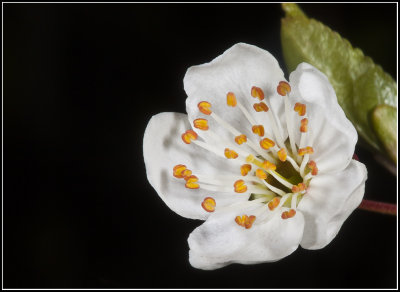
384 129
360 84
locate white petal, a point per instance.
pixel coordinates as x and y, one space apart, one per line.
333 137
328 202
163 148
236 70
220 241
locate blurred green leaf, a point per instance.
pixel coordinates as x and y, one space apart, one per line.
360 84
381 118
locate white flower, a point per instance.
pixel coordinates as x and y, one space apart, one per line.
268 164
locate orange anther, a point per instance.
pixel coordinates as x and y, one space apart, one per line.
268 165
201 124
282 154
205 107
261 107
304 125
267 143
186 173
231 99
288 214
245 221
191 182
257 92
230 154
245 169
209 204
241 139
261 174
306 150
180 171
240 186
258 130
313 166
188 136
283 88
300 108
299 188
274 203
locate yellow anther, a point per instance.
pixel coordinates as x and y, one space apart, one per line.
201 124
209 204
241 139
250 158
231 99
245 169
230 154
188 136
180 171
257 92
260 107
304 125
300 108
258 130
268 165
283 88
299 188
282 154
205 107
288 214
191 182
306 150
245 221
261 174
274 203
240 186
267 143
313 166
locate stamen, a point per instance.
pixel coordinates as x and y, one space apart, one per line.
299 188
273 203
257 92
201 124
268 165
240 186
306 150
288 214
303 164
282 155
230 154
209 204
241 139
188 136
180 171
245 221
245 169
258 130
294 201
231 99
260 107
313 166
300 108
267 143
304 125
191 182
205 107
283 88
261 174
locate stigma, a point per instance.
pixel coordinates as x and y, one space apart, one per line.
271 171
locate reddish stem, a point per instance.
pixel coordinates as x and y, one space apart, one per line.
379 207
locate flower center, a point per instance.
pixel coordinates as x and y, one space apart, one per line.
271 170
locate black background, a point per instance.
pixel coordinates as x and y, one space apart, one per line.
81 82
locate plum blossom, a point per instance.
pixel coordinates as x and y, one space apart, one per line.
265 161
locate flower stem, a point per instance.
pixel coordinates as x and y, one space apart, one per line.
378 207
